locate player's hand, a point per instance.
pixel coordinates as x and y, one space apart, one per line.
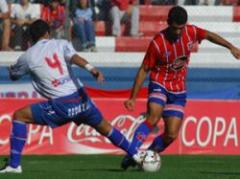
98 75
235 52
129 104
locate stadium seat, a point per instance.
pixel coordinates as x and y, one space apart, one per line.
100 28
153 13
207 47
105 44
236 14
104 28
210 13
226 29
218 19
151 28
128 44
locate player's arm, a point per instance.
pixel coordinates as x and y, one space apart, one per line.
81 62
140 78
138 82
148 63
217 39
19 69
71 55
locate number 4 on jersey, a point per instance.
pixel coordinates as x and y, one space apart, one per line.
54 63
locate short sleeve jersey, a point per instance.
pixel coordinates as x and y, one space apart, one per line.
49 64
168 61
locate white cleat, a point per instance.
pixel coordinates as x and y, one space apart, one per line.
9 169
138 157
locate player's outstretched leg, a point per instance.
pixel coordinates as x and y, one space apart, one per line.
118 139
17 142
114 135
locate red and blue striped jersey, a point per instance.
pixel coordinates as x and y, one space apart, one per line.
168 61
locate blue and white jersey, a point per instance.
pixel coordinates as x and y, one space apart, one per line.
48 63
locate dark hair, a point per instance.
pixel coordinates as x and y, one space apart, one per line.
78 4
38 29
178 15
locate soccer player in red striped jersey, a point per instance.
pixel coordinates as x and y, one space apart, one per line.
167 59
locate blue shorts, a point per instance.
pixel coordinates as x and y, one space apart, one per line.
76 107
173 103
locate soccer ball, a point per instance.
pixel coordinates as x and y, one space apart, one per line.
151 161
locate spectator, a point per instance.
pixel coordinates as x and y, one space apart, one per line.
217 2
164 2
83 25
122 10
62 2
229 2
103 7
54 14
73 4
5 22
191 2
23 14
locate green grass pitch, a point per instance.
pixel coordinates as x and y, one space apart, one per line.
108 167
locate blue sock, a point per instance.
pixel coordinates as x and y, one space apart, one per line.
139 137
158 144
17 141
118 139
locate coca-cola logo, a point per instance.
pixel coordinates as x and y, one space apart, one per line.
83 133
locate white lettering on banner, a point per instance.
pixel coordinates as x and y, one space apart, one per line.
2 118
83 133
89 133
184 129
209 132
234 135
120 123
217 132
45 132
214 129
32 131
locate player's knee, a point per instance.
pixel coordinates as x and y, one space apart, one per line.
104 128
19 115
152 120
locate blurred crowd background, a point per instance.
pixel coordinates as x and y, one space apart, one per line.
75 20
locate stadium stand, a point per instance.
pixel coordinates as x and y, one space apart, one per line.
220 19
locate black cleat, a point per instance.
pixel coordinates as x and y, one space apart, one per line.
128 162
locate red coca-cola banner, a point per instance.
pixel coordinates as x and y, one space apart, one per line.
209 127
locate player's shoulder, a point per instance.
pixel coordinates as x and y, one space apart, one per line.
157 38
61 42
190 27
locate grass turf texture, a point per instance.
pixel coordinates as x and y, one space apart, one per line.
108 167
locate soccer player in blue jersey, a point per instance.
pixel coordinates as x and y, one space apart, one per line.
48 62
